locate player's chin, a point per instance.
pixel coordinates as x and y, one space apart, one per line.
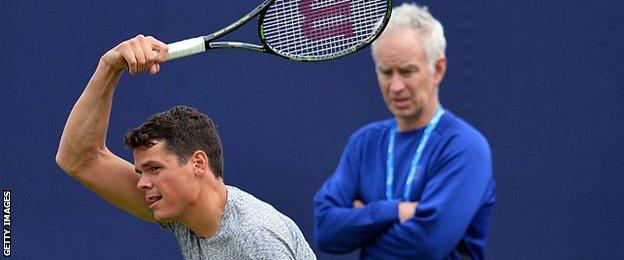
163 215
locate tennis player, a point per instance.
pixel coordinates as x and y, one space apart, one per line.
177 176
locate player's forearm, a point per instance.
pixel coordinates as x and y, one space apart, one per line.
84 136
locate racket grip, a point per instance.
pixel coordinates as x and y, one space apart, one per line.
186 48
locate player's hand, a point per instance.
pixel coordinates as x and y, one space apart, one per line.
138 54
407 210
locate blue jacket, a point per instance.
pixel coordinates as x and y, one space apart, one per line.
455 191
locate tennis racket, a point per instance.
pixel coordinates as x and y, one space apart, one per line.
301 30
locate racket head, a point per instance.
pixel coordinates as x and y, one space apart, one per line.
309 30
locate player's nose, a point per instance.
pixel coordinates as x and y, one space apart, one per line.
144 183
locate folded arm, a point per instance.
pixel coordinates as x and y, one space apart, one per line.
339 226
450 200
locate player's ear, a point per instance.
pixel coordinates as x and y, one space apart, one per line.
199 159
439 70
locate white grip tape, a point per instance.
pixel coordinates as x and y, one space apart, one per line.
185 48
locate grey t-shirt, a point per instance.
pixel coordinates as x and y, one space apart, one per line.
249 229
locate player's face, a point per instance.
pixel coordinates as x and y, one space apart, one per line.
408 88
169 188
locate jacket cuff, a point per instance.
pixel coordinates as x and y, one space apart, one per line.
386 211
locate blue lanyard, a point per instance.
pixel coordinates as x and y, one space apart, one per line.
415 160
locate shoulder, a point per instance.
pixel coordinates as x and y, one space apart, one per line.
256 217
262 230
454 131
372 130
244 204
462 150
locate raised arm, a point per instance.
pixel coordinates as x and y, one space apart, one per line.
82 151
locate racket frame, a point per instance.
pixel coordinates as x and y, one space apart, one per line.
203 43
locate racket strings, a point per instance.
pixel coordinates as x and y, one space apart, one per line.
290 42
319 29
326 23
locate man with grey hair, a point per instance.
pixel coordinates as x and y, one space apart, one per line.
418 185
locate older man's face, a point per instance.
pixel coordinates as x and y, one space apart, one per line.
409 89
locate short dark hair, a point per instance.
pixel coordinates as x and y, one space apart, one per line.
184 130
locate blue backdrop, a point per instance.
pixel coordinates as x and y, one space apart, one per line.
541 79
